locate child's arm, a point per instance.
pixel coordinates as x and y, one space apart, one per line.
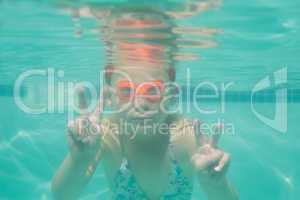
72 177
218 189
211 165
85 139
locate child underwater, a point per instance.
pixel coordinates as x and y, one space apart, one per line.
161 153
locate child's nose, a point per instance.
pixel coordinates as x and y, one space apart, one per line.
141 103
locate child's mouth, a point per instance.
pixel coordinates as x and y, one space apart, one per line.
139 119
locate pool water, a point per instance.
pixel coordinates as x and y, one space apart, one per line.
255 40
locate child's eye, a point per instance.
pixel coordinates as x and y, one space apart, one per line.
153 91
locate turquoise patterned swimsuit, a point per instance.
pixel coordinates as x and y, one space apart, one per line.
126 188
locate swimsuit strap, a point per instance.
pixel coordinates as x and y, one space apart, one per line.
171 153
179 187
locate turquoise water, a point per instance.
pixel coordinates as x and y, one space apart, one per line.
256 39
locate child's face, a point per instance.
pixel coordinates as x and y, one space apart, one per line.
139 93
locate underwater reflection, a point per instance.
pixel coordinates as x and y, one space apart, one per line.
150 30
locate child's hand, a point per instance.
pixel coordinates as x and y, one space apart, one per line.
84 133
210 162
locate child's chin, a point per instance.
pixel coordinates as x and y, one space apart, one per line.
147 121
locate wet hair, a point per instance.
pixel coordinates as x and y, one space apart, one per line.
140 12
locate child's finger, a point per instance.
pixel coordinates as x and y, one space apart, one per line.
215 138
100 104
201 137
203 140
207 161
96 115
82 99
223 163
218 128
99 108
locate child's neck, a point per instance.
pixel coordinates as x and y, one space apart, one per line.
153 143
148 145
